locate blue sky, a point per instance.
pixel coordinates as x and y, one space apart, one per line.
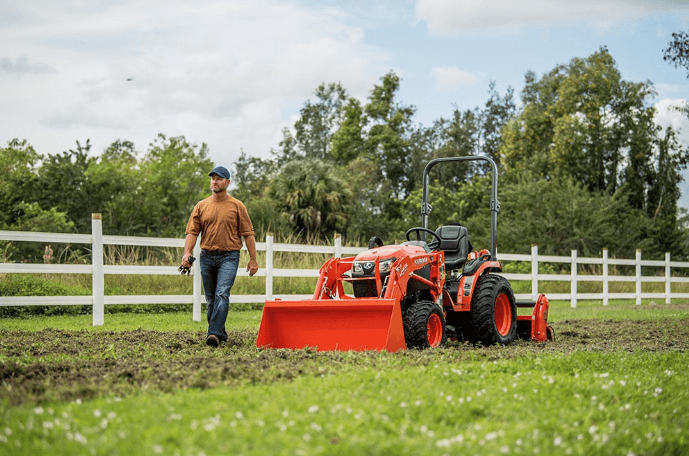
233 74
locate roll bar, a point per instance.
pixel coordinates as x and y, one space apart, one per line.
494 203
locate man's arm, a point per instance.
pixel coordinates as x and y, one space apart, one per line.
250 242
189 244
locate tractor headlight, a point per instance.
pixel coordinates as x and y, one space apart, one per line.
385 265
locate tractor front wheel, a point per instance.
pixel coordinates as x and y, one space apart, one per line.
493 315
424 325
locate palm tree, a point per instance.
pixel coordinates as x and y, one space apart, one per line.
314 199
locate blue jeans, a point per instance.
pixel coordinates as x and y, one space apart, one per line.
218 272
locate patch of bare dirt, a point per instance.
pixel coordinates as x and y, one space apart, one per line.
65 365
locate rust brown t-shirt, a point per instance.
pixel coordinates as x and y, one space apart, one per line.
222 224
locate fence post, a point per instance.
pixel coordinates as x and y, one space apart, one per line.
668 283
338 246
269 266
196 282
534 272
97 276
605 277
638 277
573 289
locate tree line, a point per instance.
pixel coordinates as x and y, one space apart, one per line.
582 165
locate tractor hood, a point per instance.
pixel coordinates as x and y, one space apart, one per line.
389 251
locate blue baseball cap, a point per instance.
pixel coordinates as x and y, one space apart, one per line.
221 171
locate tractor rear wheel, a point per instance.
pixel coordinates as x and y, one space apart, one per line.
493 315
424 325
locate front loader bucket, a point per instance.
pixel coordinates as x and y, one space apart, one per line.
333 324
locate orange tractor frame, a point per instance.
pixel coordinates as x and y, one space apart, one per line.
416 294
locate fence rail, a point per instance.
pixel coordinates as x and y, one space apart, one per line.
98 270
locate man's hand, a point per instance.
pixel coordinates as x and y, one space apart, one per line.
185 269
185 260
252 267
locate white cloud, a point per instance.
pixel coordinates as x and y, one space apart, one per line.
21 65
453 17
666 116
215 71
448 78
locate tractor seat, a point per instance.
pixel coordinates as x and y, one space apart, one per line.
454 241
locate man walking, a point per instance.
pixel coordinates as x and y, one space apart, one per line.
222 222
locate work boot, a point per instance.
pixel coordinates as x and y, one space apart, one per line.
212 340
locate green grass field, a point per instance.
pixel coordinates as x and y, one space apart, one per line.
613 382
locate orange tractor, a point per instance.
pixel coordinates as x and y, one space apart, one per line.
413 295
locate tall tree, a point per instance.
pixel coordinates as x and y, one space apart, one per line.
677 53
174 178
315 127
63 184
581 120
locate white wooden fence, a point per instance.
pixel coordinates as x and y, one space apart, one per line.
97 269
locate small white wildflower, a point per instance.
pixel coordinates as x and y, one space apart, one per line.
3 439
444 443
307 437
491 435
657 392
38 410
423 429
239 415
157 449
403 404
593 429
504 449
557 441
417 403
605 375
668 372
8 431
448 398
47 425
80 438
316 427
313 409
96 413
623 383
519 442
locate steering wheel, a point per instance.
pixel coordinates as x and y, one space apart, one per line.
433 245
